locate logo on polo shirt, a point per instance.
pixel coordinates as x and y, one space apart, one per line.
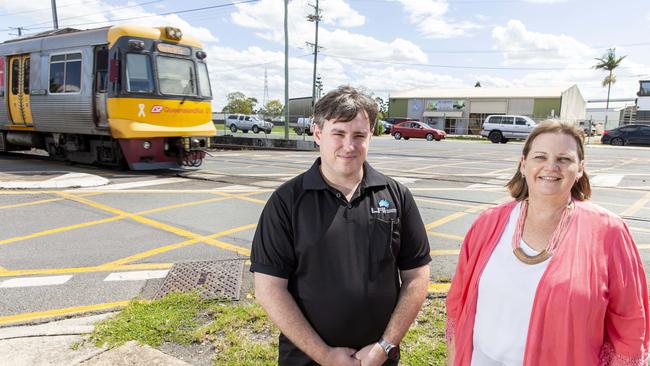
384 207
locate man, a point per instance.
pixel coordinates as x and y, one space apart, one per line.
340 255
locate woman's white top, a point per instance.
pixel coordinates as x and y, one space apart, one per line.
506 293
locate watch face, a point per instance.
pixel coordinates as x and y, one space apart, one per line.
393 353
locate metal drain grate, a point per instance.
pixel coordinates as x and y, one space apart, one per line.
210 279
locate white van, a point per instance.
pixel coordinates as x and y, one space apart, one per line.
501 128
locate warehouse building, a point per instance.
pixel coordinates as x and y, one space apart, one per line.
462 111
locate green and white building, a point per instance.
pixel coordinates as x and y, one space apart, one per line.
462 111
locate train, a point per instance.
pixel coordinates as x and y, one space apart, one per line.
122 95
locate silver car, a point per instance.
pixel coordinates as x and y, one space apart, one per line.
501 128
247 123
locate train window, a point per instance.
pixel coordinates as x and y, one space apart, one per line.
15 79
139 78
65 73
26 76
176 76
204 80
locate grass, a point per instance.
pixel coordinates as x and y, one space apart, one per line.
241 333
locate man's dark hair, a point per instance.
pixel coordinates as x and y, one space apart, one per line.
343 104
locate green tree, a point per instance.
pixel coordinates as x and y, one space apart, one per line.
609 62
238 102
273 108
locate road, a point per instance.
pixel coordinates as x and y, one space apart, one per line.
65 251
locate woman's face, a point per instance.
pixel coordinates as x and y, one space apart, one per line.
552 166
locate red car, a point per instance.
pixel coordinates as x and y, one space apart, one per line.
416 129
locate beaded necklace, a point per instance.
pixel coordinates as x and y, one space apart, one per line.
547 252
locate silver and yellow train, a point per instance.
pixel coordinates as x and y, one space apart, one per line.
113 95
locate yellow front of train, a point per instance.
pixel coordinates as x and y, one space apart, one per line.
159 97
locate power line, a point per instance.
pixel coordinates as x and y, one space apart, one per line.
460 67
100 12
161 14
37 10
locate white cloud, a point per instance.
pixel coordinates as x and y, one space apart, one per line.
432 20
525 47
97 13
545 1
266 18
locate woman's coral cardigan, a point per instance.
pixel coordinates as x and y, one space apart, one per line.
591 304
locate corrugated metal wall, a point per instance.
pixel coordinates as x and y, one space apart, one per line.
63 113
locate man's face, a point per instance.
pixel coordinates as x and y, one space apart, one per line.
343 147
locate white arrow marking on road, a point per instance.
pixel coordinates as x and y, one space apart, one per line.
35 281
136 275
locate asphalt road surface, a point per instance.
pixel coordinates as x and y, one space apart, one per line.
71 250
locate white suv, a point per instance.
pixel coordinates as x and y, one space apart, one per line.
245 123
501 128
304 125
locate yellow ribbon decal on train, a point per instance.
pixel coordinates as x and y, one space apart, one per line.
141 118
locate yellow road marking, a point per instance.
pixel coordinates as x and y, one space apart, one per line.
639 204
443 252
241 197
167 248
159 225
445 220
441 202
446 236
100 268
42 201
60 312
140 191
60 229
456 215
439 287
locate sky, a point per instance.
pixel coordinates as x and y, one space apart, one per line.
383 46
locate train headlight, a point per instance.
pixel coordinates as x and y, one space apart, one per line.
146 145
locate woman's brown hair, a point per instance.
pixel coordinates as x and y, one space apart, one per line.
581 189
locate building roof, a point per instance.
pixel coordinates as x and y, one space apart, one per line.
459 93
614 105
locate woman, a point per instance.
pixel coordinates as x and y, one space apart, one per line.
549 279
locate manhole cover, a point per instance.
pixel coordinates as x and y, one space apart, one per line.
210 279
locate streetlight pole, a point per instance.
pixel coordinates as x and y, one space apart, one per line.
286 70
55 19
315 18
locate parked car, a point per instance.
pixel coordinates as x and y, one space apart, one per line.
304 125
627 135
387 126
501 128
246 122
416 129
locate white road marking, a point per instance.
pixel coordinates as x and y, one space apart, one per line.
35 281
606 180
136 275
405 180
142 183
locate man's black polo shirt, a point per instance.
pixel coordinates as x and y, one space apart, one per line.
342 259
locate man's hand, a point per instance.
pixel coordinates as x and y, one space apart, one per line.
341 356
371 355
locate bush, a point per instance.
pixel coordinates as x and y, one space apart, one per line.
379 129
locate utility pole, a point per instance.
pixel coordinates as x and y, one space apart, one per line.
265 98
316 18
19 29
286 70
55 19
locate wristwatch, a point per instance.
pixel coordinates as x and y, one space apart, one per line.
392 350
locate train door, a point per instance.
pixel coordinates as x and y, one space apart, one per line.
101 81
19 101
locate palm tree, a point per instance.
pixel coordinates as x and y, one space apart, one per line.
609 62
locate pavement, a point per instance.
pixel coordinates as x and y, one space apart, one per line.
61 343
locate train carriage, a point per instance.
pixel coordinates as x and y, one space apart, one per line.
113 95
